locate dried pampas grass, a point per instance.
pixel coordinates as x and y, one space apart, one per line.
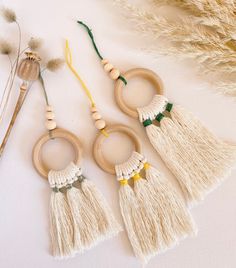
204 34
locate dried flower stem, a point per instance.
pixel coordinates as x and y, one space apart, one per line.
20 101
7 90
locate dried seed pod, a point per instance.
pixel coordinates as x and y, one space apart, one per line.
29 67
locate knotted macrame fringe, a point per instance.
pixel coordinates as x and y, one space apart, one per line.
79 215
155 217
196 157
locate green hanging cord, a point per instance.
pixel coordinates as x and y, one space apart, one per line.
41 80
96 48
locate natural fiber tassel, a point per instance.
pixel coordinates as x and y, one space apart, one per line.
85 225
61 227
198 159
154 215
175 219
94 221
61 222
107 225
80 216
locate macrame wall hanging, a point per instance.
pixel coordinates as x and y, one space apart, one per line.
197 158
79 215
155 216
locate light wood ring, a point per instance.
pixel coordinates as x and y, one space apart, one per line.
97 146
141 72
39 165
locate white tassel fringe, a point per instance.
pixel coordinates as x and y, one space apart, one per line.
197 158
154 215
61 228
107 225
79 215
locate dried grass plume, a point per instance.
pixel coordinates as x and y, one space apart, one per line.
55 64
8 14
5 47
204 33
34 43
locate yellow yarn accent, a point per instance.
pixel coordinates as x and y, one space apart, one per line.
136 177
103 131
69 63
123 182
146 166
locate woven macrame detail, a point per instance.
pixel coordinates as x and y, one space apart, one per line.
61 178
131 167
156 106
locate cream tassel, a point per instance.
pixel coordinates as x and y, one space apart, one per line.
93 219
154 215
61 222
107 225
197 158
218 155
135 223
175 219
86 227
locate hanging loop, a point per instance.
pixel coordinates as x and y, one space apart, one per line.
97 146
147 74
39 165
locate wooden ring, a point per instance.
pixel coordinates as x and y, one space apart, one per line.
144 73
97 146
39 165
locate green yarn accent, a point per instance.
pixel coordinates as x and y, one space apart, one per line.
147 122
92 38
55 189
159 117
169 107
123 79
96 48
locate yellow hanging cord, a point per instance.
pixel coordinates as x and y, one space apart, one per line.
69 63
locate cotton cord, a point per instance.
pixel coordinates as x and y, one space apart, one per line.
96 48
69 62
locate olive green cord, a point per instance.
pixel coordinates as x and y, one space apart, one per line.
43 87
96 48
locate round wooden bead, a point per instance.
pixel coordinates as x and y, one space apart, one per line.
114 74
96 116
51 124
100 124
50 115
93 109
108 67
104 61
49 108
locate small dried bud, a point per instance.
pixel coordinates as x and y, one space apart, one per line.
55 64
9 15
34 43
5 48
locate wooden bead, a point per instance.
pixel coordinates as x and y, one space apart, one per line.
114 74
96 116
51 124
50 115
104 61
93 109
108 67
100 124
49 108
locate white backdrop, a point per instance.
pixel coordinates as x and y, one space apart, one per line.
24 238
